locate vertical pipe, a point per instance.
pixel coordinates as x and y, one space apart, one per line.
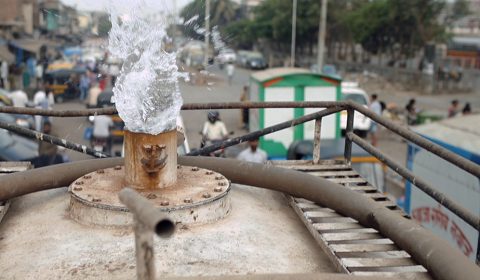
294 33
150 160
207 32
321 35
144 251
348 141
316 141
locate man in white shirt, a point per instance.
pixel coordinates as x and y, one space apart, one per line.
3 74
19 98
93 94
214 129
376 107
253 153
101 126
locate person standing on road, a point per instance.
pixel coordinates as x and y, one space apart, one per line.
453 110
253 153
101 130
244 112
84 86
230 72
93 94
376 107
3 74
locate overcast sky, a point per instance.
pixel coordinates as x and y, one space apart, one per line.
99 5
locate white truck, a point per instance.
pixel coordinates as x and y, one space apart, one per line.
461 136
361 124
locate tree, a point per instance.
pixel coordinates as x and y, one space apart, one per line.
221 13
104 25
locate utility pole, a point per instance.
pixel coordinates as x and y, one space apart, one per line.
294 33
207 32
322 29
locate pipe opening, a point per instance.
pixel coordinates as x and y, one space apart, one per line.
165 228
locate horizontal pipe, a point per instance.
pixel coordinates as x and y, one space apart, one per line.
50 177
146 213
32 134
441 198
256 134
58 113
190 106
453 158
435 254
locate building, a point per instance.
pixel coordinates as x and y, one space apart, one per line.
17 17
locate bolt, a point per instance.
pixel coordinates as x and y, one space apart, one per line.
222 183
77 189
118 167
151 196
206 195
179 166
164 203
100 171
79 183
188 200
195 169
217 189
218 177
96 200
209 172
87 177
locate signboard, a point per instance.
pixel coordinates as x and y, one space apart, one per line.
458 185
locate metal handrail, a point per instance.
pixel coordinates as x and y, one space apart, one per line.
332 107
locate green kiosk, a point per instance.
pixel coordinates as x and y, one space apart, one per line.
291 84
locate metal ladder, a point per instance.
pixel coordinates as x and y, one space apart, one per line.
353 248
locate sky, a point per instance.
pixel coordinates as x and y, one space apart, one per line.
99 5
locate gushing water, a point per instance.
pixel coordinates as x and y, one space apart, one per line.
146 92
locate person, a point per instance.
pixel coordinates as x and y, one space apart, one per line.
4 74
40 101
101 130
39 73
245 112
453 109
84 86
93 94
230 72
214 129
47 152
376 107
467 110
19 98
411 111
253 153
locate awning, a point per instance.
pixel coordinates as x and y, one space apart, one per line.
6 55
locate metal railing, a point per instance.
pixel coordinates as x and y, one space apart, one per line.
330 108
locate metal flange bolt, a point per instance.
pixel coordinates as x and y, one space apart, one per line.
206 195
118 167
217 189
209 172
188 200
195 168
79 183
87 177
164 203
222 184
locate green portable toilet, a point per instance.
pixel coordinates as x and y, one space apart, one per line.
291 84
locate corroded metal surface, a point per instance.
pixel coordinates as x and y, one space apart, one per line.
199 196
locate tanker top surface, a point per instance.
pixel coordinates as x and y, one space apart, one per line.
261 234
